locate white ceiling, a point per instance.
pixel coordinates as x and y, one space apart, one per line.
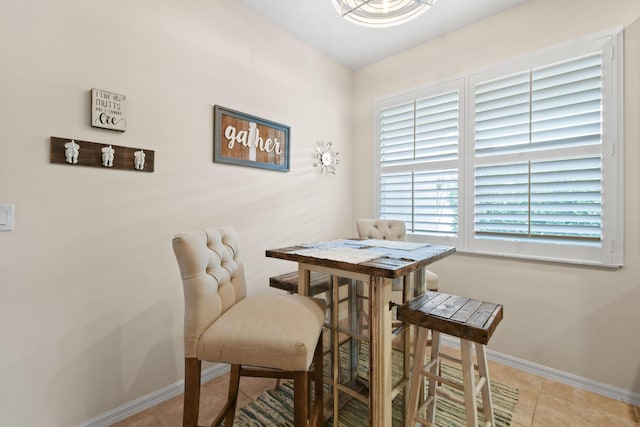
317 23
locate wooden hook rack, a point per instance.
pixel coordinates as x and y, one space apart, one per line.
90 154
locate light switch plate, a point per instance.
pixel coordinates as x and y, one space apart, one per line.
6 217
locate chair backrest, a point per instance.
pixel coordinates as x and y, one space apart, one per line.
385 229
212 276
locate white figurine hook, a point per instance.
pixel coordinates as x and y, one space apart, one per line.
107 156
72 151
138 159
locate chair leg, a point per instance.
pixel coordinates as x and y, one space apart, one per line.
229 410
300 398
192 371
234 386
317 412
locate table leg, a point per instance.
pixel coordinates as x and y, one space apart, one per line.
380 352
354 326
407 292
304 280
420 282
335 344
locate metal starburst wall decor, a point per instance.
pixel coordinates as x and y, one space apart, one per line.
326 158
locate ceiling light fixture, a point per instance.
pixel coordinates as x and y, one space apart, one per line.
381 13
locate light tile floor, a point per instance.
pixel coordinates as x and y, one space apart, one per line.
542 403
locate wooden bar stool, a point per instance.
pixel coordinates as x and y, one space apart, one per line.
470 320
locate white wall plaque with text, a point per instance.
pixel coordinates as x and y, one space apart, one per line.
108 110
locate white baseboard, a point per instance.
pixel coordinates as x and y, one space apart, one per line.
557 375
149 400
159 396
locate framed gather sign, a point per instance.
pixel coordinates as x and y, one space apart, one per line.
241 139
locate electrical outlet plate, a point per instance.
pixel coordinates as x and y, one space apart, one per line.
6 217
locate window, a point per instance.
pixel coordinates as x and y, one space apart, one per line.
419 158
523 159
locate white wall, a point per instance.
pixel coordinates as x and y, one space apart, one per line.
90 295
579 320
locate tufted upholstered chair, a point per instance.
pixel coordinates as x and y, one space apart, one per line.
392 229
382 229
277 336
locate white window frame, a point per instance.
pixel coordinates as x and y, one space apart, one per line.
610 252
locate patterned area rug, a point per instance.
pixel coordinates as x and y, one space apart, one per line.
275 408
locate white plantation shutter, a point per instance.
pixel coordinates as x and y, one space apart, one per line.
551 107
418 139
396 197
436 202
549 110
502 115
566 103
426 201
425 130
502 199
558 199
437 127
522 159
397 143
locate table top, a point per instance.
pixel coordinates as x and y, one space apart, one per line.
383 258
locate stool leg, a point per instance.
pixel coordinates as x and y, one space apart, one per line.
483 370
416 377
435 370
469 379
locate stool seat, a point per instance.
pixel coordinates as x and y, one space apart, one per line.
453 315
288 282
473 322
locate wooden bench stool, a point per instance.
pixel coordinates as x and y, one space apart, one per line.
470 320
288 282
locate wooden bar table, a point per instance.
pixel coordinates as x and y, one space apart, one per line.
375 263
